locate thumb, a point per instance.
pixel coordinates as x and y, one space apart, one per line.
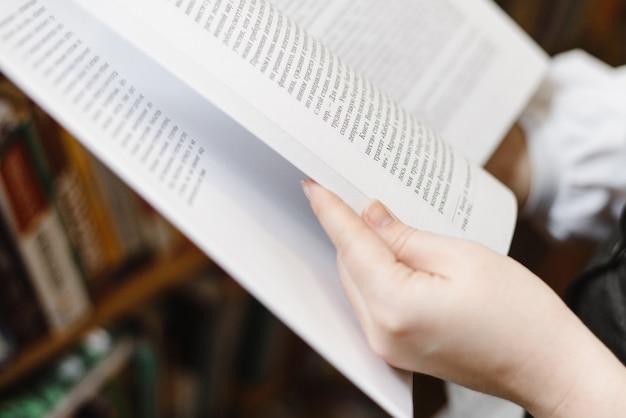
419 250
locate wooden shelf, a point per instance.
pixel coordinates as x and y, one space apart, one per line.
142 285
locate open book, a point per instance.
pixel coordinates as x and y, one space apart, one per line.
214 111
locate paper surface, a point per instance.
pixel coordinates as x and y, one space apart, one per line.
313 109
461 66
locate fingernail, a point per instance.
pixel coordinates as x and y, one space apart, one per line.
377 215
306 187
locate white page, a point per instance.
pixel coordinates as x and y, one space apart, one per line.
242 198
461 66
401 162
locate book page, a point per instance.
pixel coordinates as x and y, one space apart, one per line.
315 110
461 66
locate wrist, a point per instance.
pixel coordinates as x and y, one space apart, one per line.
575 376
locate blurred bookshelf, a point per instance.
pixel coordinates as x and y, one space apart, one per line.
137 289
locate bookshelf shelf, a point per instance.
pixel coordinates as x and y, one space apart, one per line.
138 288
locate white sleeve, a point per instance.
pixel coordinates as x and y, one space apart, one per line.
576 135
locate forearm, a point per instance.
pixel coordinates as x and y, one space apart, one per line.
572 375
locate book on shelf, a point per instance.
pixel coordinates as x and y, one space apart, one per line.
123 205
112 207
162 238
36 229
214 111
20 310
96 205
68 192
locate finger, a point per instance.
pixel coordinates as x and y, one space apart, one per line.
354 294
419 250
371 264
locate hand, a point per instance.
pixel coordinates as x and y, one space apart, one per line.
456 310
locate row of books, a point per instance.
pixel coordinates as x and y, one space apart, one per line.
69 228
597 26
